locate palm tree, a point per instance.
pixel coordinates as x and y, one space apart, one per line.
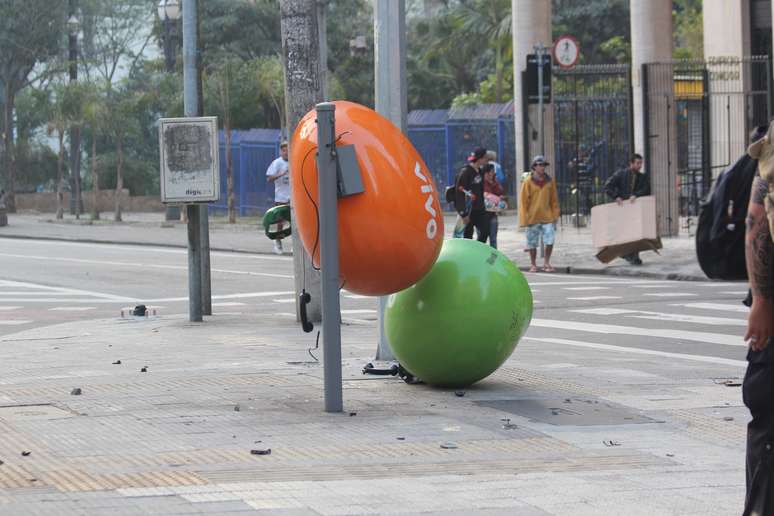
96 116
58 123
489 20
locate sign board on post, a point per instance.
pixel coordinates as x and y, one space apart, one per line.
532 79
190 164
566 51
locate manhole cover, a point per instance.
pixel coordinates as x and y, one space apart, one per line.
568 411
27 412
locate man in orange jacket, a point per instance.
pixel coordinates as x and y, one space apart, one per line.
539 211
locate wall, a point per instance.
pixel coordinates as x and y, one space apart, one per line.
46 202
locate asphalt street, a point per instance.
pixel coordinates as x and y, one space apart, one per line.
44 283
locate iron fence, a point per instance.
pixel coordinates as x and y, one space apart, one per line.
592 132
697 118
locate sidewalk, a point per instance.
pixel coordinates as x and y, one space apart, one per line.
573 252
655 437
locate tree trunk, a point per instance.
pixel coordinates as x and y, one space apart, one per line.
119 174
10 161
75 169
94 176
303 89
229 173
60 178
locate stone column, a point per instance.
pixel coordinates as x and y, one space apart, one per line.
726 43
655 131
651 25
531 24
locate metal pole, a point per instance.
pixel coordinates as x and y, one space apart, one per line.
391 99
194 265
539 53
76 204
577 156
204 213
204 231
190 99
329 255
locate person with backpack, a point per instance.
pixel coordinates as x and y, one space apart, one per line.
470 184
628 184
720 231
758 384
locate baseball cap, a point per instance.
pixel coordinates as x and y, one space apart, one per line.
479 153
539 159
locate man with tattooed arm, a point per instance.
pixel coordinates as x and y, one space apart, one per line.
758 386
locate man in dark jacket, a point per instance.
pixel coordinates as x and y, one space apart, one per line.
629 183
470 181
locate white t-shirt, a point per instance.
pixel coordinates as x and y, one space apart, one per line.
281 185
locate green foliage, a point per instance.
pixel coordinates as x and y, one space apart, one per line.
467 100
593 23
244 29
441 61
689 29
617 48
115 36
352 71
35 165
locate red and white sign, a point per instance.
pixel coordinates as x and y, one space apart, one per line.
566 51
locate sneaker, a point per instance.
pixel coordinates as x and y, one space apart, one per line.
278 246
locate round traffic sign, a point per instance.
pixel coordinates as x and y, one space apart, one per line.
566 51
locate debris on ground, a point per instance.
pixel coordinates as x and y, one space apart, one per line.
266 451
117 362
144 369
448 446
611 443
459 394
26 453
237 408
76 392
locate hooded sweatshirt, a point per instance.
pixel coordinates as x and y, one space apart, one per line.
538 201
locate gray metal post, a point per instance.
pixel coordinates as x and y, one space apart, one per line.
539 49
390 83
329 255
194 265
190 107
204 232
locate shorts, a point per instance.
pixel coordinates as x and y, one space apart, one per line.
534 231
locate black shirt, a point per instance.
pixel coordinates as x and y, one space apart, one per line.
472 180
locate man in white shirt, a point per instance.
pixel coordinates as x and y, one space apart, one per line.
279 174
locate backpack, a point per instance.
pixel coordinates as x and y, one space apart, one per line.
721 226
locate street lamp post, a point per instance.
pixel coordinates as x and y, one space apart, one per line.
169 13
73 27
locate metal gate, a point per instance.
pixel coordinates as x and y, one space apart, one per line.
697 118
592 131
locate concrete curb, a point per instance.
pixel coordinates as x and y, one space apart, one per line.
672 276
